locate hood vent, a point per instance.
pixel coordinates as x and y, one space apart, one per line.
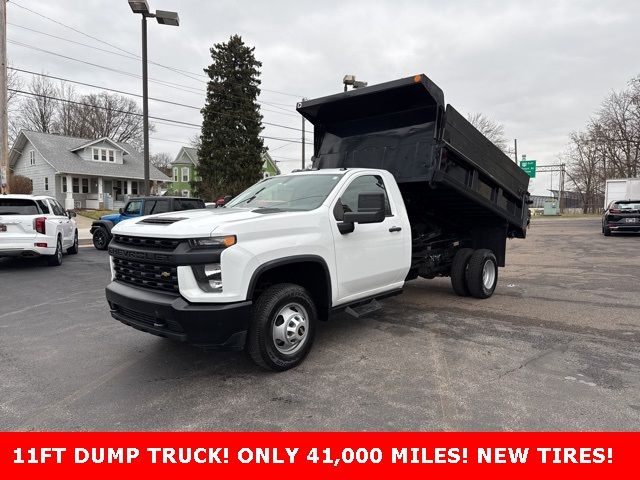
162 220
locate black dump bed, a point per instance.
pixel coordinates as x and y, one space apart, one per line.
441 162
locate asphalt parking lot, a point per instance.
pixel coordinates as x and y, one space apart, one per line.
556 348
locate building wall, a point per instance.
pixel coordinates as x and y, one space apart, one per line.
37 173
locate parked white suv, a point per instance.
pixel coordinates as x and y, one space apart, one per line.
32 226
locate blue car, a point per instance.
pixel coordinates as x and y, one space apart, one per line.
137 207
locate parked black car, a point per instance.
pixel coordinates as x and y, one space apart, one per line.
137 207
621 216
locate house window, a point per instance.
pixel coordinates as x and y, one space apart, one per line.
85 185
64 184
185 193
75 185
32 157
185 174
175 174
125 187
96 154
112 155
103 154
46 183
134 188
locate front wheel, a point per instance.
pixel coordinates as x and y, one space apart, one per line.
55 260
73 249
101 238
282 328
482 273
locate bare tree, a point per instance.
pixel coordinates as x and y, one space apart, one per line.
69 119
162 161
14 83
491 129
38 110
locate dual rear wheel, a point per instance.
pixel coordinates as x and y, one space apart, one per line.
474 273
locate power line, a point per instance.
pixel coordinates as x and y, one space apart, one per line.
177 122
173 69
193 107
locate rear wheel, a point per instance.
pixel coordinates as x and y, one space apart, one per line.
55 260
282 328
101 238
73 249
482 273
606 231
459 271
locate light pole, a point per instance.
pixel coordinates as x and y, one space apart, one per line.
164 18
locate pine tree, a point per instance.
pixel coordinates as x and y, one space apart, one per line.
230 147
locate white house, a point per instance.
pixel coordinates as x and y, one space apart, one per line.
81 173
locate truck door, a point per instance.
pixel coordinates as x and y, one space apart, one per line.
372 258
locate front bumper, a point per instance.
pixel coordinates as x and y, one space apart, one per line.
209 325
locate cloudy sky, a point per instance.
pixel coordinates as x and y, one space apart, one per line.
541 68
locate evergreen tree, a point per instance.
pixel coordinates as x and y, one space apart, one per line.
230 148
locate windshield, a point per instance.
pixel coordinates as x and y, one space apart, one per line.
295 192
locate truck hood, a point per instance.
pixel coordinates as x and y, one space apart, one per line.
189 223
112 217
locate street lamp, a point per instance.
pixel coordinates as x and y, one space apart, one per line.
164 18
351 80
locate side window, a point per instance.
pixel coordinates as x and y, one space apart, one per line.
348 202
44 208
162 206
187 204
148 207
56 207
133 207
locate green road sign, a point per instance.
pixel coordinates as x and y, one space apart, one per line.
529 167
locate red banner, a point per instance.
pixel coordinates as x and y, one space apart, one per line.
318 455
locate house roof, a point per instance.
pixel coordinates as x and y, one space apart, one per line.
192 154
59 152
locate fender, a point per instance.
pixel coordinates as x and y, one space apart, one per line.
270 265
106 224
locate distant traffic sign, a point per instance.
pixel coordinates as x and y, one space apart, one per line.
529 167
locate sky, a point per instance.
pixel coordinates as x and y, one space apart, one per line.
540 68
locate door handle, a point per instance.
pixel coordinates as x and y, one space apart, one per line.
395 229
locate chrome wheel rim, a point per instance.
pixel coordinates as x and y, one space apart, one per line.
59 250
488 274
290 328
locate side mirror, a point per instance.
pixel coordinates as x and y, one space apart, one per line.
371 209
71 214
121 211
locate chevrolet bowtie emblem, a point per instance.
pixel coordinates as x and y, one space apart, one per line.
165 274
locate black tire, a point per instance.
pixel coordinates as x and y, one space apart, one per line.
261 343
479 285
55 260
73 249
459 271
101 238
606 231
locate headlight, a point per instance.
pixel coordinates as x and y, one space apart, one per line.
213 242
209 277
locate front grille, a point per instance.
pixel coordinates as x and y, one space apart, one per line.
157 243
147 275
149 320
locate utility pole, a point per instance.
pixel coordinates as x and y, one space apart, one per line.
515 149
4 127
145 106
303 141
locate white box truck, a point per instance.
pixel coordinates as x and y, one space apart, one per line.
621 189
